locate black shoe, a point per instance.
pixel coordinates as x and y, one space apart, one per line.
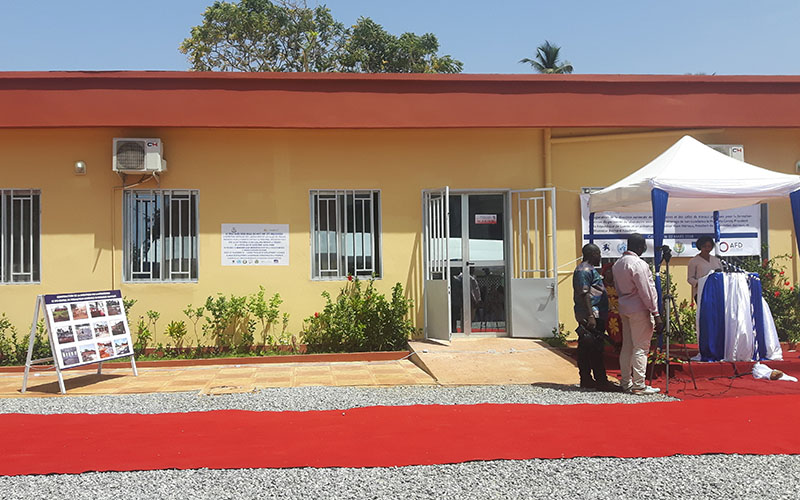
588 385
608 387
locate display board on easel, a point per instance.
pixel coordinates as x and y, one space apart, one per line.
83 328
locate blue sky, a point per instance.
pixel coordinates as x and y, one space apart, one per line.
725 37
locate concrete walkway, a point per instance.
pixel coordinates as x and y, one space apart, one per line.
464 361
494 361
215 379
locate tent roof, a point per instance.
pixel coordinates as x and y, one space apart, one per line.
698 179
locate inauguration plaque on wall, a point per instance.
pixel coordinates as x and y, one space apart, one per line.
87 327
255 244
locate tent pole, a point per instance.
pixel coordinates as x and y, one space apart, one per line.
659 199
794 199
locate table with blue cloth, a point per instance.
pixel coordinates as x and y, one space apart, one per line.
734 322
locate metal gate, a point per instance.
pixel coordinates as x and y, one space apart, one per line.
534 277
436 260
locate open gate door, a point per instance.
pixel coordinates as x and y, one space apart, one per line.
534 277
436 259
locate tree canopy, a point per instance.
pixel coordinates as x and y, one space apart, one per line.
546 60
261 35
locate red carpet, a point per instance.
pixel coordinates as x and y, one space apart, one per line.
392 436
681 387
718 379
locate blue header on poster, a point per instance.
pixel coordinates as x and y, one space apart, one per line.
81 296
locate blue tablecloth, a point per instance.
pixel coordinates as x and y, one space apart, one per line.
718 330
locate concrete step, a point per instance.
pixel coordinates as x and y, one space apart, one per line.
493 361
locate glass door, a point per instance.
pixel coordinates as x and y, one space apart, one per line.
477 249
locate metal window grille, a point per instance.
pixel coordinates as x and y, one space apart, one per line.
20 233
345 236
160 235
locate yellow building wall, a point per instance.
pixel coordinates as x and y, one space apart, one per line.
247 176
264 176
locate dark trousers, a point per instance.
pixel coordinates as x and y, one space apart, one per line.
590 355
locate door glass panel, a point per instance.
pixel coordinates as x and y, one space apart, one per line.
489 313
486 227
456 300
454 244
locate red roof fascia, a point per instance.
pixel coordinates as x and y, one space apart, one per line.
336 100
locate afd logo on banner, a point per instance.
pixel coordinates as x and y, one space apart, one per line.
731 246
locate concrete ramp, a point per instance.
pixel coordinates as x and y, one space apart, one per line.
493 361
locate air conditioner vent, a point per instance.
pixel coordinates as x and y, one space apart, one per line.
135 155
130 155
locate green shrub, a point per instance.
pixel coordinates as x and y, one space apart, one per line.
195 315
143 337
360 320
127 304
220 318
152 322
176 330
559 338
232 321
267 313
684 321
781 294
8 342
14 349
683 324
228 322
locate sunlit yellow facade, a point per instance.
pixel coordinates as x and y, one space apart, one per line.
265 176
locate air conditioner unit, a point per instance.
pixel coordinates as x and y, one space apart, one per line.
732 150
138 156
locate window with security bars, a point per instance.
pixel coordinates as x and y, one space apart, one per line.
346 234
20 233
160 235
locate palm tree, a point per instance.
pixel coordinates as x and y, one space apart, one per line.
546 60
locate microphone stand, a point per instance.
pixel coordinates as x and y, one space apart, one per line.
667 254
669 303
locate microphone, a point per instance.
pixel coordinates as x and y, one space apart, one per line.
666 253
729 267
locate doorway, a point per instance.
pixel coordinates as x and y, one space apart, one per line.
490 264
477 251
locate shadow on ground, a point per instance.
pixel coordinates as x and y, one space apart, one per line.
72 383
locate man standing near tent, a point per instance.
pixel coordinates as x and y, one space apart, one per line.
638 308
591 312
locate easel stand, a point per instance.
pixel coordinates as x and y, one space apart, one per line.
31 341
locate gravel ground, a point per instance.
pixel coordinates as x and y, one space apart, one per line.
709 476
319 398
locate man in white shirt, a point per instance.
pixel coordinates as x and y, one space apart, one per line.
638 309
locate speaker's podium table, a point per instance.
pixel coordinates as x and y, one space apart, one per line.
734 322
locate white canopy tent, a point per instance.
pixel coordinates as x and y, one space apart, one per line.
692 177
697 178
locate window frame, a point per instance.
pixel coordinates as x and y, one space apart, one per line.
376 197
166 246
7 198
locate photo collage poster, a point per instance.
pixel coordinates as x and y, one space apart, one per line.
87 327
